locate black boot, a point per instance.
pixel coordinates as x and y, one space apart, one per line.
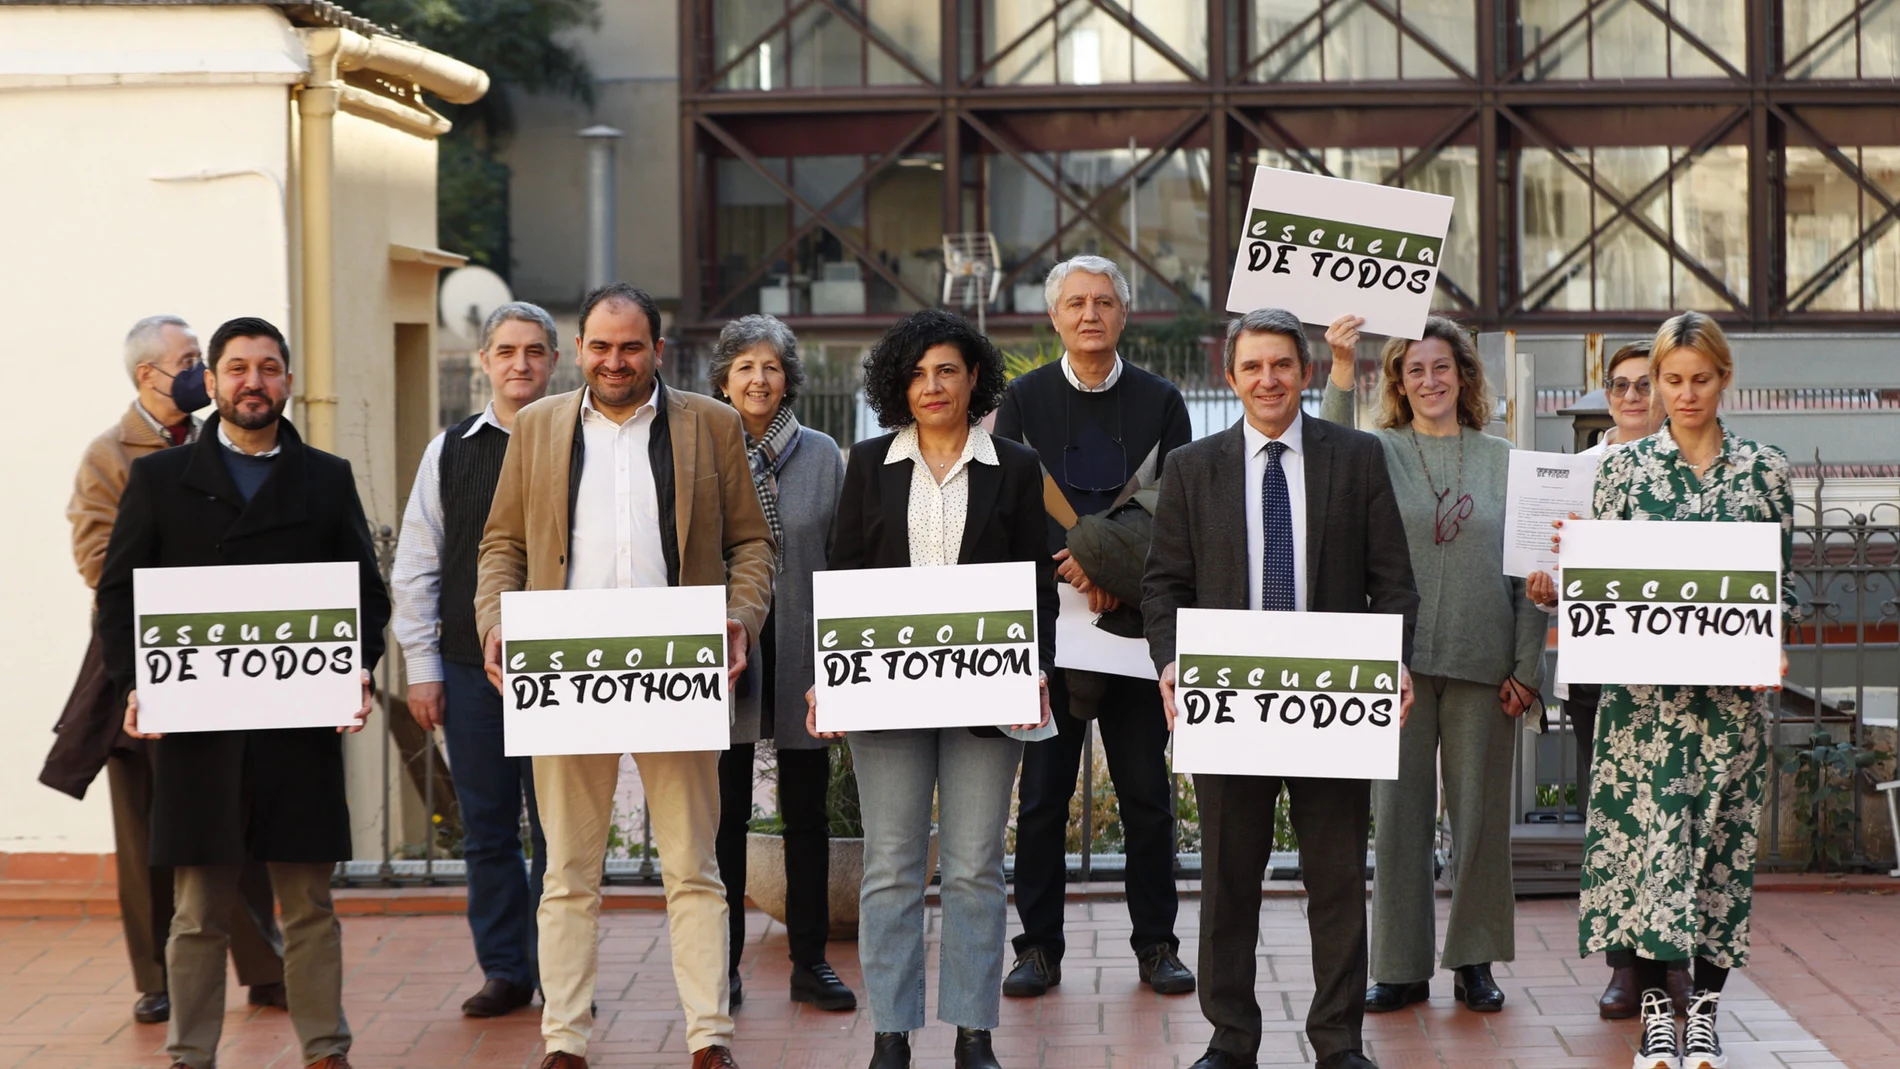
890 1050
973 1049
1473 986
1384 998
820 986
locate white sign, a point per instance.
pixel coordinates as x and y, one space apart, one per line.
953 646
1542 487
638 670
1324 247
1288 693
247 646
1080 644
1659 602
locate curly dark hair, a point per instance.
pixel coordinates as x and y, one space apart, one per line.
888 365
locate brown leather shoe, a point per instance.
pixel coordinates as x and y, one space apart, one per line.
334 1061
1619 999
561 1059
713 1058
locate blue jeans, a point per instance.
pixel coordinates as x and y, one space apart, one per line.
491 789
898 773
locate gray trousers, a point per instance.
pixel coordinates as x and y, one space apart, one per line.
313 959
1461 725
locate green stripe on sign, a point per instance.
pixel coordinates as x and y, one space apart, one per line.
1311 674
1350 238
246 628
925 630
647 652
1694 587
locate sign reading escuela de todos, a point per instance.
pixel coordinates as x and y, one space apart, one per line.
1670 603
926 647
1326 247
1287 694
243 647
639 670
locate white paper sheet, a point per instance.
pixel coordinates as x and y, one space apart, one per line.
1080 644
1542 487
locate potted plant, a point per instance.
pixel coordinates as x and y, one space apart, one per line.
765 851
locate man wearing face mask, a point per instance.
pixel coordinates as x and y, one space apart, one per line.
162 358
434 585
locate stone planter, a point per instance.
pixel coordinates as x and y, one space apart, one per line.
765 878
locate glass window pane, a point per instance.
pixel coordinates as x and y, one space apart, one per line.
1564 57
1452 25
1022 214
1720 24
1710 221
1823 217
1554 220
911 28
751 220
906 231
1628 42
1360 44
1030 62
1804 24
1454 173
1170 213
1880 42
825 51
736 23
1182 26
1092 48
1632 270
1880 264
1295 56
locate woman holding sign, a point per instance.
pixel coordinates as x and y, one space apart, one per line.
1477 664
938 490
797 471
1676 794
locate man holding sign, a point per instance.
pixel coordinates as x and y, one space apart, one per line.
248 492
627 483
1283 514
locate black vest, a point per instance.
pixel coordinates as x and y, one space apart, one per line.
469 469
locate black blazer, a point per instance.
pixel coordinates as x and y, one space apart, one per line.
221 797
1005 522
1357 559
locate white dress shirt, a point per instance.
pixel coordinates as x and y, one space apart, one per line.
225 440
416 578
616 538
938 510
1293 465
1108 383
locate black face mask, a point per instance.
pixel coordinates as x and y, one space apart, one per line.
188 388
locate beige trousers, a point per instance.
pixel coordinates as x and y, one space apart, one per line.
576 794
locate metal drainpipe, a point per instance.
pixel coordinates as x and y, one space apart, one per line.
601 224
316 111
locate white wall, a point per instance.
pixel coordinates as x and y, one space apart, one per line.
89 242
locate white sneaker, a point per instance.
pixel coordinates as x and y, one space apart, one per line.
1659 1049
1700 1047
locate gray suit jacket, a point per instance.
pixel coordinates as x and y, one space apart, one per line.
808 487
1356 554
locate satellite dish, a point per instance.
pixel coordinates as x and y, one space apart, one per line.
467 297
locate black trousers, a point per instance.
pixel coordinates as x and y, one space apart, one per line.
1135 740
145 889
802 777
1582 709
1330 816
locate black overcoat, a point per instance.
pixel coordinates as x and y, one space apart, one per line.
223 797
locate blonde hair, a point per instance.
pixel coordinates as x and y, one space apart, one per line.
1474 395
1691 330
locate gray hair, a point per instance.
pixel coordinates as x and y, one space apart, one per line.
522 312
1267 321
743 333
144 342
1094 265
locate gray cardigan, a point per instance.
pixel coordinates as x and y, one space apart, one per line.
1474 622
808 488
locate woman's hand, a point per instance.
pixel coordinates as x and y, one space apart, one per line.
1757 689
1517 697
811 718
1541 588
1556 540
1343 339
1167 693
1042 684
1405 695
132 716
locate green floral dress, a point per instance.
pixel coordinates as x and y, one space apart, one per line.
1676 792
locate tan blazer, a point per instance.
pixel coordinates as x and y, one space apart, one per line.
99 484
723 537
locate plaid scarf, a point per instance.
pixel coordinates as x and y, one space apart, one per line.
767 456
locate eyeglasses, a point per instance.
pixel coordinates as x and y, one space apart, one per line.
1450 514
1621 386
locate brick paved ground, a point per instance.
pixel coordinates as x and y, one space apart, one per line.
65 995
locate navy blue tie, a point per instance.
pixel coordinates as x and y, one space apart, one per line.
1276 528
